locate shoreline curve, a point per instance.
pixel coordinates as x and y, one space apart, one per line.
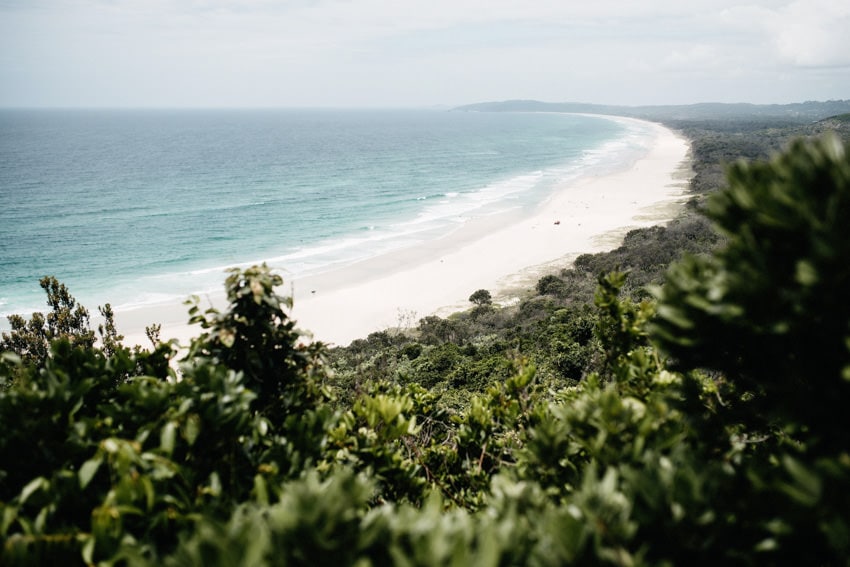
394 290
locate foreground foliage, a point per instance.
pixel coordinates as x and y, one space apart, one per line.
245 450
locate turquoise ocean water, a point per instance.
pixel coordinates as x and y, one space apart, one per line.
136 207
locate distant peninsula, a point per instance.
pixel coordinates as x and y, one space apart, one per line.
808 111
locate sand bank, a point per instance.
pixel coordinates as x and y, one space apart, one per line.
501 254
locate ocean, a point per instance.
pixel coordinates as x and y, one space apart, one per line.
134 207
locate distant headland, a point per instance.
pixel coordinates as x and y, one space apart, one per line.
808 111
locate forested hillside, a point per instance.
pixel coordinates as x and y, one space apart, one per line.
699 420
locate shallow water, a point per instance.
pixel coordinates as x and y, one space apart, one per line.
136 207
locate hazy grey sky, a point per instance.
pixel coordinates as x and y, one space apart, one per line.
248 53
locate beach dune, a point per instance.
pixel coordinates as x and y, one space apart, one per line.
501 254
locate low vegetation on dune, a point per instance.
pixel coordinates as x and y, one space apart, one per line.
676 401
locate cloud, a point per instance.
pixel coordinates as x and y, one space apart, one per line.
813 33
281 52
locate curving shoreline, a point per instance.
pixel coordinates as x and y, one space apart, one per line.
501 255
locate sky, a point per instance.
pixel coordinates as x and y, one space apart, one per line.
419 53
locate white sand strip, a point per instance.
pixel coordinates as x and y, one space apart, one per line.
394 290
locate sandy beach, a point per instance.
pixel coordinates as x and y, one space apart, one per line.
501 254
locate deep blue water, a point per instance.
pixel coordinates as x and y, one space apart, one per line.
131 207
